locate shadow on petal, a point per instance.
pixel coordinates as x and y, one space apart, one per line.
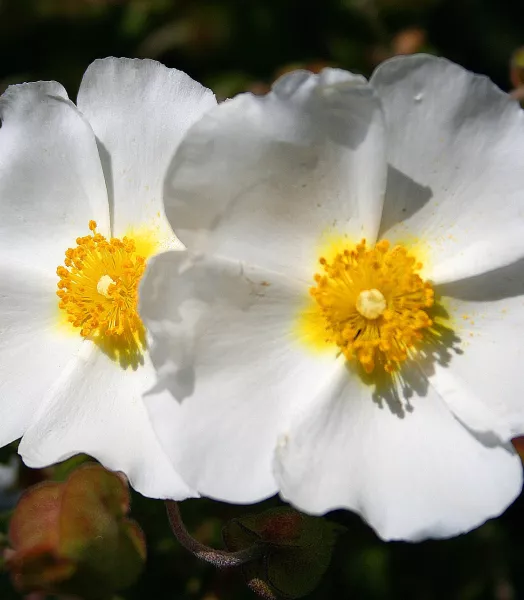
196 290
107 170
126 350
404 198
506 282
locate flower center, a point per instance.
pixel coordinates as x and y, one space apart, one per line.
103 284
373 303
98 286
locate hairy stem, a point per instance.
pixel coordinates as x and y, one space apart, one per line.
219 558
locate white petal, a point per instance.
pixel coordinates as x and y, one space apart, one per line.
51 180
456 179
33 351
225 346
482 380
98 408
139 111
408 467
263 179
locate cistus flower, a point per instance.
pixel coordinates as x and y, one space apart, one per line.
80 213
346 326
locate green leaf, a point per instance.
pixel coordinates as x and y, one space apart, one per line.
298 550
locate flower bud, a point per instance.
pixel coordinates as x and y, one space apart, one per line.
74 537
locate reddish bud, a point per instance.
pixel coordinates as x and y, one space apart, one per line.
517 68
518 443
74 537
409 41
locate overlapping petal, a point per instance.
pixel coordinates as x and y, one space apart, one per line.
226 349
97 408
400 460
263 179
456 179
139 110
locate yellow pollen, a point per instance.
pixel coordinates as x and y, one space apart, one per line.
98 286
373 303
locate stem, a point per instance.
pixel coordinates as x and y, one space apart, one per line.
219 558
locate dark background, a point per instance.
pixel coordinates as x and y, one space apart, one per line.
238 45
233 45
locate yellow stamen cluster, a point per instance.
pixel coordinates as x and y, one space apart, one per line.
98 285
373 303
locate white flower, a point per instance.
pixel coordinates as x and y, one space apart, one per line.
277 387
63 171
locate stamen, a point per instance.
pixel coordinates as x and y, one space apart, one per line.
98 286
373 303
